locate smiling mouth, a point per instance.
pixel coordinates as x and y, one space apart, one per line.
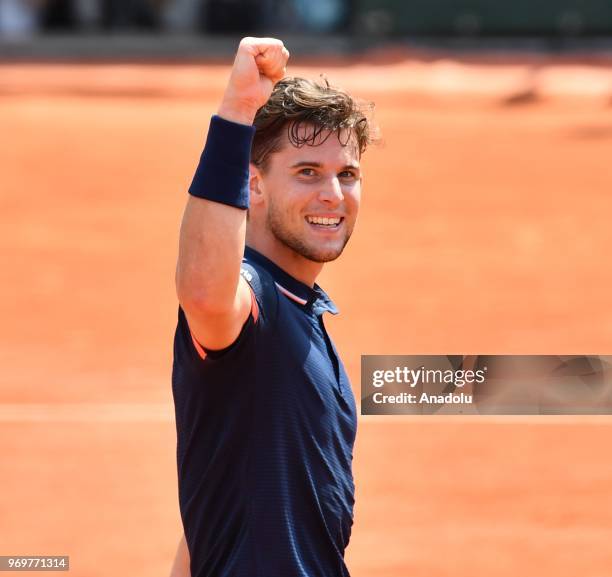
327 223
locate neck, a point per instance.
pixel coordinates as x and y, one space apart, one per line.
294 264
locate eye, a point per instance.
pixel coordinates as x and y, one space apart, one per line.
348 174
307 172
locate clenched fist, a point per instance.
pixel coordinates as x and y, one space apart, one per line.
258 66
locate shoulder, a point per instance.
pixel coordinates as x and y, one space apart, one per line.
263 287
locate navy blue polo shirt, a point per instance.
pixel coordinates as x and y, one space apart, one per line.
265 434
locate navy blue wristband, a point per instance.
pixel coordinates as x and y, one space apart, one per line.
223 172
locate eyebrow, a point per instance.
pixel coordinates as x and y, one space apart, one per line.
319 165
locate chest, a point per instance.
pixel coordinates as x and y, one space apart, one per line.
315 384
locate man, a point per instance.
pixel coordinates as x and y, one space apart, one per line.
265 414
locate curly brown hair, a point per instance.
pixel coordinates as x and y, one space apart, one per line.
310 112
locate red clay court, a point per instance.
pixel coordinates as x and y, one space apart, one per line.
485 228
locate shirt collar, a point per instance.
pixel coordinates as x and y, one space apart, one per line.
308 297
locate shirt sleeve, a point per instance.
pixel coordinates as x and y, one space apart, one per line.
247 327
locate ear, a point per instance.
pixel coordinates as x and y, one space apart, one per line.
255 185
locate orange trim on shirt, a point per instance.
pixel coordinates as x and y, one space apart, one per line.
254 305
198 346
290 295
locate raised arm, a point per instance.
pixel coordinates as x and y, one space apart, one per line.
215 298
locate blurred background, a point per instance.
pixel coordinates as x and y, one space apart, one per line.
484 229
373 19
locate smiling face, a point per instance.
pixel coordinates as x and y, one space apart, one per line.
304 203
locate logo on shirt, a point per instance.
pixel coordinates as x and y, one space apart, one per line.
246 274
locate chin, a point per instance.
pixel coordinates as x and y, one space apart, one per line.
320 254
310 247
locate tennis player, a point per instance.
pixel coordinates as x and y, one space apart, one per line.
265 414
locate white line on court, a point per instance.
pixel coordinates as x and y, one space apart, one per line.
86 412
164 413
491 419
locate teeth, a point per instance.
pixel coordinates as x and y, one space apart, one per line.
323 220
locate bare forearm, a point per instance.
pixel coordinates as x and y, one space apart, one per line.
213 234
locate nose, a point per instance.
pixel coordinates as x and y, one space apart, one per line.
331 193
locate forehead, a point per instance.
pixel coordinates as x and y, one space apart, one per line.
323 146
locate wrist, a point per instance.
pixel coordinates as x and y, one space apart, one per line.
236 111
223 172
